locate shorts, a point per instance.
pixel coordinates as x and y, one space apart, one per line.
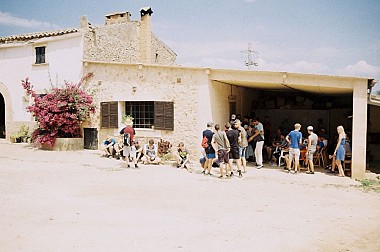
294 154
211 155
242 151
234 153
129 151
310 154
223 156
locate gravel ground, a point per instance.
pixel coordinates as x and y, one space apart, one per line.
80 201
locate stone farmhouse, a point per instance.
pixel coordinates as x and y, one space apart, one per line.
135 73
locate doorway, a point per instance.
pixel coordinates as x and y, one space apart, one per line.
91 138
2 116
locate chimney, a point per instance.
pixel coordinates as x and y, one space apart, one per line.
83 21
118 18
145 35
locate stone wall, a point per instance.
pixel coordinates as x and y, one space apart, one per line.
121 43
65 144
115 82
117 42
161 53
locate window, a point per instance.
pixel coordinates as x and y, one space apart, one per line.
151 113
142 112
40 55
109 114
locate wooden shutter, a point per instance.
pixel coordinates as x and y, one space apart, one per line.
113 114
164 115
109 114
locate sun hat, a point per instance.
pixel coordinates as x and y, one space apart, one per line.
310 128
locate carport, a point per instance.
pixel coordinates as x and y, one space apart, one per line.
342 101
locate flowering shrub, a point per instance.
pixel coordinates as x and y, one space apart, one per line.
60 112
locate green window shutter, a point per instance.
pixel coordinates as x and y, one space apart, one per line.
164 115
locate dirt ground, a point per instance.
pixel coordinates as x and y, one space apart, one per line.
79 201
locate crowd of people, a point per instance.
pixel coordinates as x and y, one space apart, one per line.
250 140
124 146
238 142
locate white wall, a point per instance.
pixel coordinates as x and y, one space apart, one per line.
63 56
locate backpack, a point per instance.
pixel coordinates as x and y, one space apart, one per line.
127 139
204 142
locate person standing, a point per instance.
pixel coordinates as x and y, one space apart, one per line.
258 138
233 138
295 140
243 144
340 152
221 145
210 152
129 150
312 141
233 120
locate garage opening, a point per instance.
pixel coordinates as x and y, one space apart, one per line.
287 98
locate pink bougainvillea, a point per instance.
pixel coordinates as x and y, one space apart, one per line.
59 113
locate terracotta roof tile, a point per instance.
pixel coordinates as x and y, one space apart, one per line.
30 36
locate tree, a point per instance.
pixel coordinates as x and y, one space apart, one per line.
59 113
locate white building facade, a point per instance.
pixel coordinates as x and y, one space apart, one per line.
136 73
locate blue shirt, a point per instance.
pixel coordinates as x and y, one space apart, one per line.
107 142
295 137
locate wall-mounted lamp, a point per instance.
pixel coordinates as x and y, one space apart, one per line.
134 89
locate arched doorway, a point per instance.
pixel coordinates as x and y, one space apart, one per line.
2 116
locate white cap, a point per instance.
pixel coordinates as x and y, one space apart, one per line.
310 128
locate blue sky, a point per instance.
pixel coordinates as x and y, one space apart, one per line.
334 37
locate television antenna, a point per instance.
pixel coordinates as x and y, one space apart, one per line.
251 57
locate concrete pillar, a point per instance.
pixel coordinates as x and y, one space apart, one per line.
145 36
359 130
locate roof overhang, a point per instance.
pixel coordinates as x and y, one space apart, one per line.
287 82
374 100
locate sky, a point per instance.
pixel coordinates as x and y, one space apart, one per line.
328 37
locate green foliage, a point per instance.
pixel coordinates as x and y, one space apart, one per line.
125 118
371 184
23 132
61 112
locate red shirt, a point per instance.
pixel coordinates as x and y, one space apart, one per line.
130 130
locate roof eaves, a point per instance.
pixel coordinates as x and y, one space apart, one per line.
30 36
